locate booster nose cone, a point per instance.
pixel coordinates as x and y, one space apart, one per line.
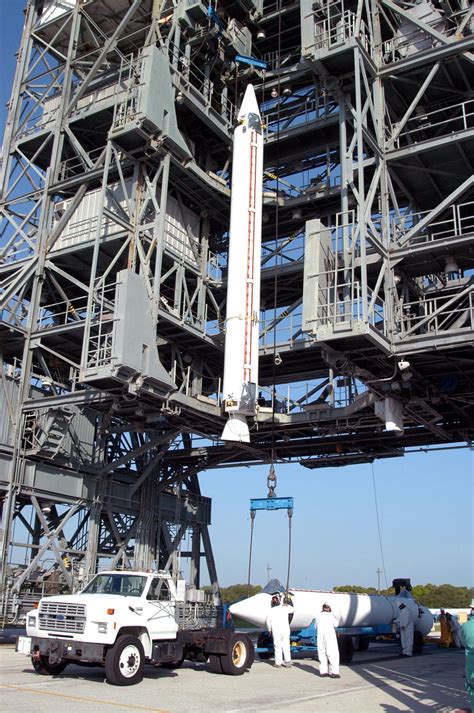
249 103
254 609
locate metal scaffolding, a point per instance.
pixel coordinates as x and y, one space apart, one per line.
115 185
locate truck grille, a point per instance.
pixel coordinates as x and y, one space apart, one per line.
54 616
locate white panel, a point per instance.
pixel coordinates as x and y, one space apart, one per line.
182 226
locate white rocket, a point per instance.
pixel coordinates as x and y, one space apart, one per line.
349 609
243 277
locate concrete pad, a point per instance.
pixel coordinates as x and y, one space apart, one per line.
377 680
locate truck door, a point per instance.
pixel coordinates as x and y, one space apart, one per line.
159 610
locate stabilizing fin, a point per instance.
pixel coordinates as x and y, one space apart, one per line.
236 429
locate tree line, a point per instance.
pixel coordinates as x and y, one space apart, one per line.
433 596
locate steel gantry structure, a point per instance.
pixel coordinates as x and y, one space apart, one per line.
115 203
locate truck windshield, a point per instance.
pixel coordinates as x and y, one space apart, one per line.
127 585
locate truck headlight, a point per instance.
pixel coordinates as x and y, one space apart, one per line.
31 621
102 627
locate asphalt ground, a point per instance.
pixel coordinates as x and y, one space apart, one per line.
376 680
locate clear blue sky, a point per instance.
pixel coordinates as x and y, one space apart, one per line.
425 500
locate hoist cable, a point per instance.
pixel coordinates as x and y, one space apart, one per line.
252 521
290 517
378 526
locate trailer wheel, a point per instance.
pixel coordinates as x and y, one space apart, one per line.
265 640
418 642
346 648
363 643
124 662
215 664
44 668
239 657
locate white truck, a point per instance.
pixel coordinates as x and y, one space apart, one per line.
122 620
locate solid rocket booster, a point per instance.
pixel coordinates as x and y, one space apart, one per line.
349 609
243 279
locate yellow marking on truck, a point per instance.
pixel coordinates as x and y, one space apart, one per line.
83 698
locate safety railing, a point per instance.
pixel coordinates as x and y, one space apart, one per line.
215 267
45 114
410 39
67 311
15 312
341 305
295 397
16 248
300 184
186 377
457 221
188 78
425 126
287 113
279 61
283 252
436 316
78 164
99 341
37 122
284 329
336 30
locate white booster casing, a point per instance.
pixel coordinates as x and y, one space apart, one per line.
240 381
349 609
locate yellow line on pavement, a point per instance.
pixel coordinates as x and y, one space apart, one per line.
83 698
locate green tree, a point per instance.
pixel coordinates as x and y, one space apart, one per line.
236 592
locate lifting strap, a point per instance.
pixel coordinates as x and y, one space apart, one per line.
272 502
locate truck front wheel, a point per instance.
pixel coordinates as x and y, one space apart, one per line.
125 661
239 657
44 668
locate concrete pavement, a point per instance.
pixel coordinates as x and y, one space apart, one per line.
377 680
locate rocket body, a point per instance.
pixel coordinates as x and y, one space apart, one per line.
350 609
243 277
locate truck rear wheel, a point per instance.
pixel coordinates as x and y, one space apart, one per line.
44 668
239 657
346 648
215 664
124 662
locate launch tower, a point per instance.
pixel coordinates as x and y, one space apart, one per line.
115 198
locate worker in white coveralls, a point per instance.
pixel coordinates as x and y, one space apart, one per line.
405 622
328 650
278 624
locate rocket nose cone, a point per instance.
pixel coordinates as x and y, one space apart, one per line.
254 609
249 103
